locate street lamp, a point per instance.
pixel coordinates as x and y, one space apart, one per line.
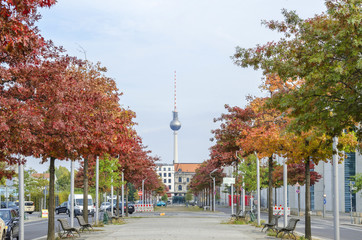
143 191
214 193
324 204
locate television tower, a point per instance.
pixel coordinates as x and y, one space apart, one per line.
175 125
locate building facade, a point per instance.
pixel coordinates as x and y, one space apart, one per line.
349 167
167 174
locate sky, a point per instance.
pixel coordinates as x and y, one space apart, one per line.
142 43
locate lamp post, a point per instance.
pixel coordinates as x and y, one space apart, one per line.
324 204
285 183
143 192
97 189
122 192
258 187
214 191
335 190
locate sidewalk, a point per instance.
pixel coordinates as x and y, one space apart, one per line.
176 227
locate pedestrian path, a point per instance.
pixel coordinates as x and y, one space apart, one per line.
176 227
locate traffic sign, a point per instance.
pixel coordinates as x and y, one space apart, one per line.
325 201
228 180
139 193
297 191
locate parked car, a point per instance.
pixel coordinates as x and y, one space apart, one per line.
104 206
29 207
11 219
62 208
2 229
78 205
130 208
11 205
161 204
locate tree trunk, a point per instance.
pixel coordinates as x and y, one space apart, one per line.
117 206
308 230
85 190
270 207
51 203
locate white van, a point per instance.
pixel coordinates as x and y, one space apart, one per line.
78 205
29 207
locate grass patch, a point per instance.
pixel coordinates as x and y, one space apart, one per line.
100 224
235 221
119 221
273 234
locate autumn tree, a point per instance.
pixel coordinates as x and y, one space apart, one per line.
324 53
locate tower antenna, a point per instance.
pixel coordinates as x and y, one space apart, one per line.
175 94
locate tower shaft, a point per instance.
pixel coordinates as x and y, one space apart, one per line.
175 148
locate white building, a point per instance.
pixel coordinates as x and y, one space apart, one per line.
167 173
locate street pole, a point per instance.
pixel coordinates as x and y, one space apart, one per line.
143 193
214 193
335 190
324 192
243 197
350 195
258 187
21 202
97 189
232 200
72 193
112 197
122 193
285 183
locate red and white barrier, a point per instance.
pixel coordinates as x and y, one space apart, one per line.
280 210
143 207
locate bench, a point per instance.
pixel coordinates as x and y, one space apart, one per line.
83 225
67 229
289 228
273 223
110 217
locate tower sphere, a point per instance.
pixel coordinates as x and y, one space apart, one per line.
175 124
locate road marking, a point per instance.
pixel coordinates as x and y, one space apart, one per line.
34 223
39 238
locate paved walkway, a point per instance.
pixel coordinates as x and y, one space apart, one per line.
185 226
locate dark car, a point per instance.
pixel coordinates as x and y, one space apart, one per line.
11 219
11 205
62 208
130 208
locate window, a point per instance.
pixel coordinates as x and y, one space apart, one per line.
179 179
169 169
188 179
169 181
160 169
169 174
164 169
169 187
164 180
164 174
160 174
179 187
